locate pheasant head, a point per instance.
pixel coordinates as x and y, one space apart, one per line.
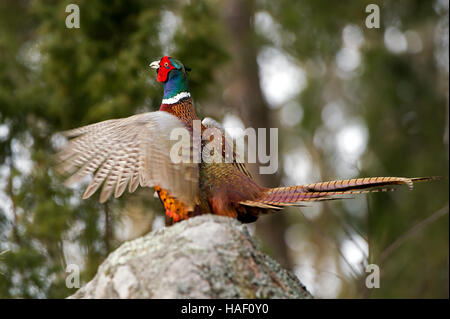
173 74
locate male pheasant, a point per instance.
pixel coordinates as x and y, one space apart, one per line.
135 151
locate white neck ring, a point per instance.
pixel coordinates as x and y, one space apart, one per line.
176 98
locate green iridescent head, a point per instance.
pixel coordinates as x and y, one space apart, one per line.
173 74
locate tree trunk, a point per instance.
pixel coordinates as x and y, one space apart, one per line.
246 97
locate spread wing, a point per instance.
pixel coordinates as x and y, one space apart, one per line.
211 123
129 152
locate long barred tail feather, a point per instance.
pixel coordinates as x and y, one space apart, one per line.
277 198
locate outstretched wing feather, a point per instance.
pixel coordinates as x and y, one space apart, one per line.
129 152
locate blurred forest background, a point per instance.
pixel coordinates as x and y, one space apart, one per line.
349 101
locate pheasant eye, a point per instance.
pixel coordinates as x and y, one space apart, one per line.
166 64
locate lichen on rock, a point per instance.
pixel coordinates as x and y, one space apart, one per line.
203 257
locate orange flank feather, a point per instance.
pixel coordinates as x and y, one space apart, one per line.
175 210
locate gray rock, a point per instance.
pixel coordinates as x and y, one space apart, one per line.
204 257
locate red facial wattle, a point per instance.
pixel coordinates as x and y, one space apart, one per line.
164 68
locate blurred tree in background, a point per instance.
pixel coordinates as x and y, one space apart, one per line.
348 101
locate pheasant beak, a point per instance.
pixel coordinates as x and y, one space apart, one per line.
154 65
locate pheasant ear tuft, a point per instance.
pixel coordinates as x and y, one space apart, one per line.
188 69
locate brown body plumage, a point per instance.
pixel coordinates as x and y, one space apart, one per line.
229 191
222 185
135 151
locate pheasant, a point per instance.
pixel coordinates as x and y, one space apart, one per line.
135 151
